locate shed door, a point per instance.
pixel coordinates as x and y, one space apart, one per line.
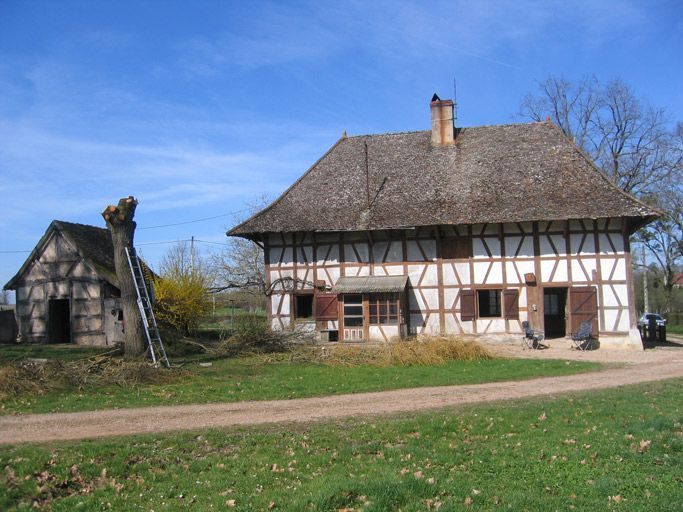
583 301
59 321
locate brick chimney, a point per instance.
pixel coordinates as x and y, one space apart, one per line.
443 130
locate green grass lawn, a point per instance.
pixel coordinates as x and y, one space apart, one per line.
611 450
674 329
252 378
64 352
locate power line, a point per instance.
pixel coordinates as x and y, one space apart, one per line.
193 221
178 241
144 243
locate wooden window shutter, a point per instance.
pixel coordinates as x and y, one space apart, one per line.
467 304
511 304
326 306
456 248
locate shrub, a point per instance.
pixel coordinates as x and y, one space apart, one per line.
182 301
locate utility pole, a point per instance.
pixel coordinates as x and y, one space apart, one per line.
646 292
192 253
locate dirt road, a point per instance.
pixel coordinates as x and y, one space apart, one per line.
638 367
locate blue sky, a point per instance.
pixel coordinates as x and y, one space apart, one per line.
199 108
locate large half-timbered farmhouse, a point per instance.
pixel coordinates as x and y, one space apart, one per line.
451 230
67 290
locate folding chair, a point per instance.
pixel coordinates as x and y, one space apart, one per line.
532 339
582 338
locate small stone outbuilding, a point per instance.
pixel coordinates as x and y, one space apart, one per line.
67 289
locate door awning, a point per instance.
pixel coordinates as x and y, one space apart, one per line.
370 284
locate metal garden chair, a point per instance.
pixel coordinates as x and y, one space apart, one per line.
532 339
583 337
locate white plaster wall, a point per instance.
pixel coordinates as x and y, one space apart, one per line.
610 319
451 298
378 250
332 259
451 325
358 271
362 250
306 274
495 275
429 248
624 321
415 273
416 301
576 240
559 243
433 324
334 273
525 244
431 276
560 275
456 273
615 295
467 327
511 227
432 297
390 331
286 303
394 270
492 325
582 271
607 265
413 251
305 254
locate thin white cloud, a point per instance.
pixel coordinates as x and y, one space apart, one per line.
402 30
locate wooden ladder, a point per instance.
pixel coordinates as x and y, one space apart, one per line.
154 344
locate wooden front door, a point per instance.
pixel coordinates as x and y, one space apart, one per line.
583 304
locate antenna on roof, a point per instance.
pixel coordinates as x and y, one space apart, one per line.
455 103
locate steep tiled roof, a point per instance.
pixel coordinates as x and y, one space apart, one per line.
93 244
506 173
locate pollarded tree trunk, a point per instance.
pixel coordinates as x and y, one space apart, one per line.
122 228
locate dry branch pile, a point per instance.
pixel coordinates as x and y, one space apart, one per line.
423 350
26 377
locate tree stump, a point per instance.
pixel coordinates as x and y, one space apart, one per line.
121 226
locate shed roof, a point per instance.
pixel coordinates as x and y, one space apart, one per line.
92 243
370 284
504 173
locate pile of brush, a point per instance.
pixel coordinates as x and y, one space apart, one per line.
31 377
422 350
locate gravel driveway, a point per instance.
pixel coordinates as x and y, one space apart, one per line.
658 364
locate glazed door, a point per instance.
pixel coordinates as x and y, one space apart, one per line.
554 321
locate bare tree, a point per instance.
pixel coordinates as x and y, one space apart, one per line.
4 297
571 106
628 139
122 229
241 265
631 142
664 238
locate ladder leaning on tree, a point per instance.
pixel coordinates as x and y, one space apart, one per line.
154 343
